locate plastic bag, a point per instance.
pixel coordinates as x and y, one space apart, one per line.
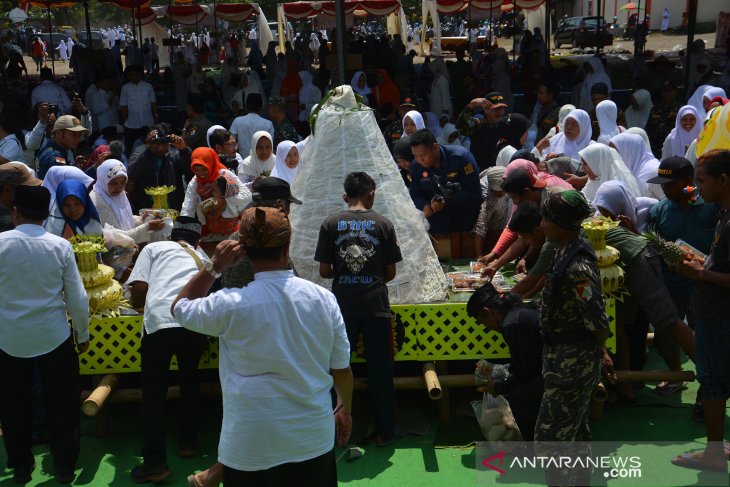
120 251
496 419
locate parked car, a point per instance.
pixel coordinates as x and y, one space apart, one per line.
581 32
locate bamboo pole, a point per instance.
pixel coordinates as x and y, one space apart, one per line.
98 397
433 386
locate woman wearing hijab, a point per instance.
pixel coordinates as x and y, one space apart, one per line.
113 206
215 195
58 174
562 113
449 135
73 212
607 113
638 113
309 96
601 165
412 122
702 97
359 84
687 127
100 154
640 161
513 138
575 137
439 96
288 161
261 160
616 201
595 73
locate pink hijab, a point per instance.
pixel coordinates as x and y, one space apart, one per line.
530 168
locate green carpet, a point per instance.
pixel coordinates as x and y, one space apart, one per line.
412 460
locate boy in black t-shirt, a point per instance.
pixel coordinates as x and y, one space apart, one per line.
358 249
712 313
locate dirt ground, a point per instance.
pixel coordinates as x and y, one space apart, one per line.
667 44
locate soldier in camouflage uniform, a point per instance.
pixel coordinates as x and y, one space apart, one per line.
574 327
283 128
662 118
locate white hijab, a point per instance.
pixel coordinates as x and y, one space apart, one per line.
606 113
360 91
638 158
709 94
560 144
446 132
110 169
56 174
607 165
281 170
616 197
562 113
696 99
637 117
417 119
598 75
252 165
679 139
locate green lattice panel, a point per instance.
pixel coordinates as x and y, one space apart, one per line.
115 343
445 332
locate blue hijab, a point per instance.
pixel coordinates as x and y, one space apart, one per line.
72 187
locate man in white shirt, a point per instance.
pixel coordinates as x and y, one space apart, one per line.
34 332
48 91
283 345
159 274
244 127
138 105
103 104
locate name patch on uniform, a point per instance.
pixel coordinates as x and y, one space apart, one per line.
468 169
452 174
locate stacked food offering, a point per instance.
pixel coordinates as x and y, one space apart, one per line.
105 294
612 276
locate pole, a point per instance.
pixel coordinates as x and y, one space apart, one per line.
547 33
215 19
197 27
599 44
89 44
139 20
169 24
691 21
340 26
50 33
636 31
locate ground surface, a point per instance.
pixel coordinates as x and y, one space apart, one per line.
432 454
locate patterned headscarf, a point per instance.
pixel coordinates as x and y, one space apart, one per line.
264 227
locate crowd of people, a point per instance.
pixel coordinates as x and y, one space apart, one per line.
519 183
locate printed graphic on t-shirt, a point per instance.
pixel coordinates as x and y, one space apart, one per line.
355 248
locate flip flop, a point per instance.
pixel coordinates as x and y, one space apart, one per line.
690 460
669 388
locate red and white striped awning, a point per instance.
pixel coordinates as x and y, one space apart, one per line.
303 10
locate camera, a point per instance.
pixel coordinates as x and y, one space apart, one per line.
442 191
161 140
52 108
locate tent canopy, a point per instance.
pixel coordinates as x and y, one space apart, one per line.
360 8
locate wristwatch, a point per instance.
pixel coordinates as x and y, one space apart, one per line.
210 269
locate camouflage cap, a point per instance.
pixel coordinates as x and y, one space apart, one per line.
567 209
264 227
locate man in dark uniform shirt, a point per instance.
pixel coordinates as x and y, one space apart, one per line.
445 184
484 133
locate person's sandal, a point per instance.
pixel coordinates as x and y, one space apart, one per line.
666 389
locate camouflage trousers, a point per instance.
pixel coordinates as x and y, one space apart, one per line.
562 423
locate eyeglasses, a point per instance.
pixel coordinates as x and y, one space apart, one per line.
235 144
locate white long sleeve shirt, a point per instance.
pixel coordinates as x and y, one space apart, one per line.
39 282
279 337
